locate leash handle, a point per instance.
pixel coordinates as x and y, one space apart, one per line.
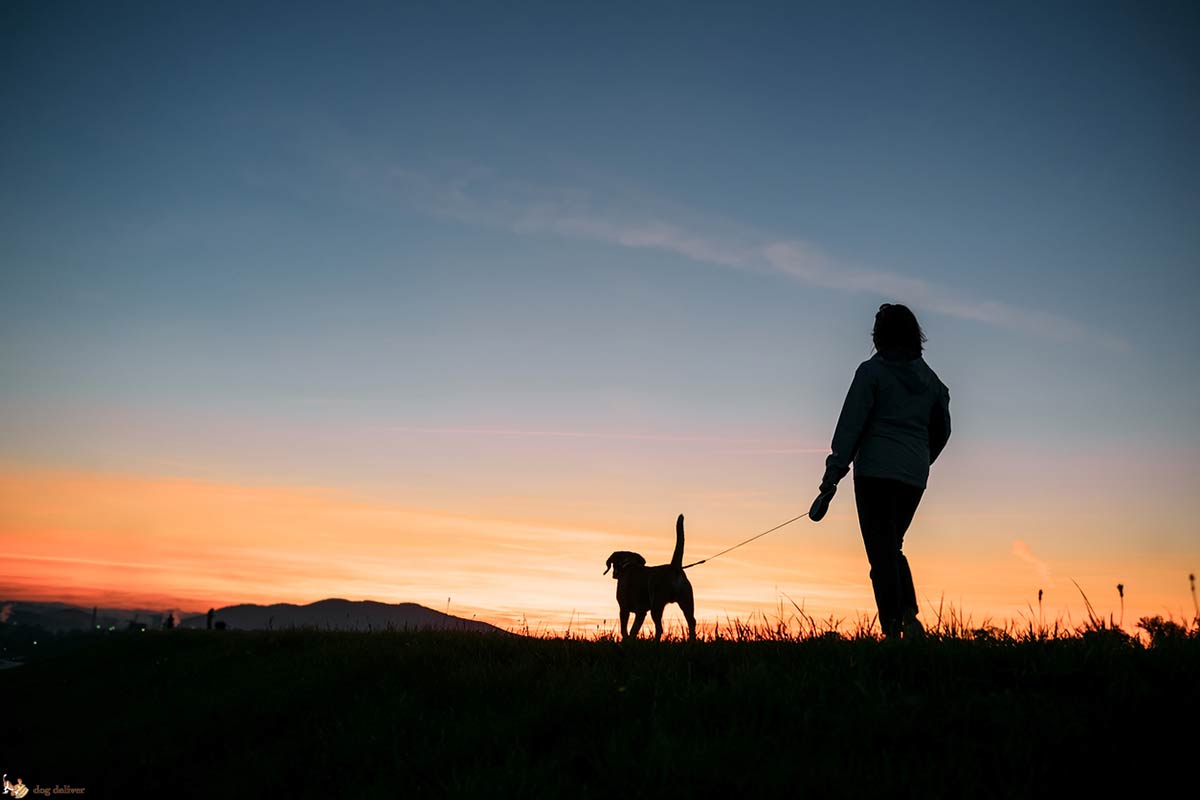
747 541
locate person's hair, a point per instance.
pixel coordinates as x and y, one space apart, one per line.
897 329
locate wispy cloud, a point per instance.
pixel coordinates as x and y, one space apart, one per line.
1021 550
96 562
802 262
615 435
477 196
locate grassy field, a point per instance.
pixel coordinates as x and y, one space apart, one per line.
183 714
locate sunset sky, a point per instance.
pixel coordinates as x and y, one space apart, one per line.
445 302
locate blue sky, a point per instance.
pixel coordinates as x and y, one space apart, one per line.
349 226
248 174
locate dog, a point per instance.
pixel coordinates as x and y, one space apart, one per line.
641 588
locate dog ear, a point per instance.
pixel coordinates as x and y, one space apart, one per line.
628 560
622 560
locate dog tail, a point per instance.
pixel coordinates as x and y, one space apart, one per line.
677 556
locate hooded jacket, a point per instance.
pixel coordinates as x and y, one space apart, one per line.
894 423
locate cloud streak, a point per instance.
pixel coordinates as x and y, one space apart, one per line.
616 435
1021 550
476 196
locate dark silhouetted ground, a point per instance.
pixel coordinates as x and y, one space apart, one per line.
360 715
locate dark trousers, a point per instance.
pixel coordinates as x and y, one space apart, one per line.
885 509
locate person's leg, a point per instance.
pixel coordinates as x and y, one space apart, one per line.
876 502
907 597
907 499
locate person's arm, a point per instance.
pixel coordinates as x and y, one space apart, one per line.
939 425
850 426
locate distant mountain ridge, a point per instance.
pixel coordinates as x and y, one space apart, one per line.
332 613
339 614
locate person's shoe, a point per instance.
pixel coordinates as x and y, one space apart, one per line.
913 629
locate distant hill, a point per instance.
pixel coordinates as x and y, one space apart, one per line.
338 614
334 614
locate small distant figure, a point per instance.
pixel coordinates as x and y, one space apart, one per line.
169 622
893 426
209 619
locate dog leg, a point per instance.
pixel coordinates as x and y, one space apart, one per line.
656 614
687 604
638 617
625 624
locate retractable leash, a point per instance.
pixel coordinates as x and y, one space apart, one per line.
819 507
814 512
748 541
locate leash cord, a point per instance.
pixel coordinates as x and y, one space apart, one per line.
748 541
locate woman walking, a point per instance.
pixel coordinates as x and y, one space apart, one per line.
893 426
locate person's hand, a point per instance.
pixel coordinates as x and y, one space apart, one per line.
817 512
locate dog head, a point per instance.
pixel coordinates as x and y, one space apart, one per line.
621 561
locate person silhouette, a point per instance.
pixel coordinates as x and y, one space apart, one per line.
894 424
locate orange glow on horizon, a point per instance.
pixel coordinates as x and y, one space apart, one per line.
165 542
